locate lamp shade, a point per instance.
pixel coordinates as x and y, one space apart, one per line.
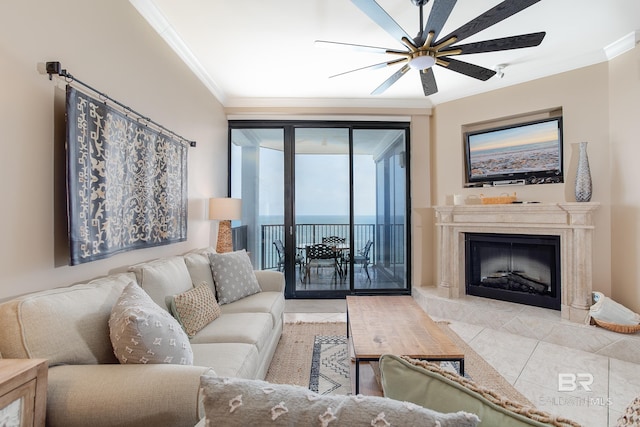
225 208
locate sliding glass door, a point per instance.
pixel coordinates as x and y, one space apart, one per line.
380 206
321 205
325 203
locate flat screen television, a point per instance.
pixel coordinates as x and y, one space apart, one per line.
529 153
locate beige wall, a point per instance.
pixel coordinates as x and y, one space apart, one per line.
584 97
110 46
624 109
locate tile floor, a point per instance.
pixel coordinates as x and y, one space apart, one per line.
569 370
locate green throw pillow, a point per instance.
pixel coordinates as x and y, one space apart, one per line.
427 385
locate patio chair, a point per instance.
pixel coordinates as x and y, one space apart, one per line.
321 255
333 240
362 257
338 245
280 250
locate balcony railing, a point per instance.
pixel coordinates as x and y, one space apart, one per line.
309 234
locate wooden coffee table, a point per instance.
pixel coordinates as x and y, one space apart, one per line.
378 325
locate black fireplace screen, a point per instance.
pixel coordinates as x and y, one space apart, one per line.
513 267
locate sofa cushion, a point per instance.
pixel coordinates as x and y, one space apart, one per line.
228 359
195 308
199 269
262 302
240 402
163 278
64 325
248 328
233 275
142 332
427 385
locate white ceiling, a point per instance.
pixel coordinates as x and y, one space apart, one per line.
262 53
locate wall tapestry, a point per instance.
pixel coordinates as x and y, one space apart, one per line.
126 182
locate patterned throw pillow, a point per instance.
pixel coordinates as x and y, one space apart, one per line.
195 308
234 276
142 332
241 402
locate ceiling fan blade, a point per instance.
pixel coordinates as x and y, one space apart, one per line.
372 67
428 79
471 70
506 43
353 47
382 18
439 14
391 80
492 16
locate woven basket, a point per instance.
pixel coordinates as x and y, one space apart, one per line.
623 329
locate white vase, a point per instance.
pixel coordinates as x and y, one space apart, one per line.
583 176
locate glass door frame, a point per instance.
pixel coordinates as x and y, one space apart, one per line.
289 127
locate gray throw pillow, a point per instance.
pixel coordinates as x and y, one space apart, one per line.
241 402
142 332
233 275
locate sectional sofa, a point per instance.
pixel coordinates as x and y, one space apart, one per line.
101 374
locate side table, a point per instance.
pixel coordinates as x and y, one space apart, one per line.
23 392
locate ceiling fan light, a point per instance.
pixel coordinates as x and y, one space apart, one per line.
422 62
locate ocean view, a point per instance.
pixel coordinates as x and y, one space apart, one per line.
317 219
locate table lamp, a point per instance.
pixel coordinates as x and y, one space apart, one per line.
224 209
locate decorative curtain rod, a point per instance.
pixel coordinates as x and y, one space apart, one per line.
55 68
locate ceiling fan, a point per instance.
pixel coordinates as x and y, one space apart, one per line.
428 48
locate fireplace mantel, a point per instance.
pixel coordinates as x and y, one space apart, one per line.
573 222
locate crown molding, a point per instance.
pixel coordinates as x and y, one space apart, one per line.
159 22
340 103
622 45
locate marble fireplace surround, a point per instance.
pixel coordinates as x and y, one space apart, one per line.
573 222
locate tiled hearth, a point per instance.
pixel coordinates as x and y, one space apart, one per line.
572 222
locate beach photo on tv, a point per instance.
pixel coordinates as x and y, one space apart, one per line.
521 150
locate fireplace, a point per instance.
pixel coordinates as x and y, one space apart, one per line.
514 267
571 222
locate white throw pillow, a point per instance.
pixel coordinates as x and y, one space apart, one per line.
242 402
234 276
142 332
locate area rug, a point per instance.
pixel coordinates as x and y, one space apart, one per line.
293 358
330 365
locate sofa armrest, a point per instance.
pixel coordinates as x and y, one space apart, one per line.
124 395
270 281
